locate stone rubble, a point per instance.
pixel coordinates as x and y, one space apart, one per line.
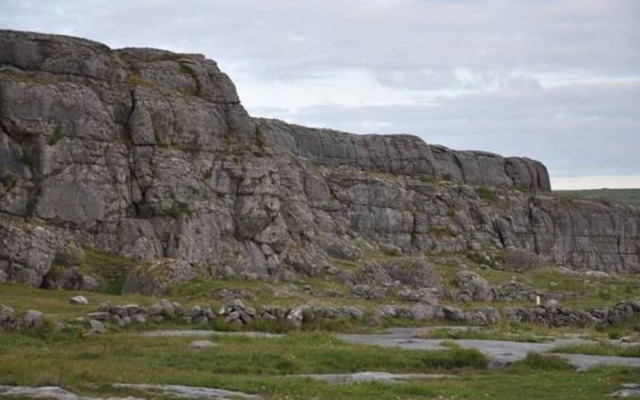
551 314
78 301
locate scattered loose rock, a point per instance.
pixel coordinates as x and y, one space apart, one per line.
33 319
201 344
79 301
473 287
7 317
96 326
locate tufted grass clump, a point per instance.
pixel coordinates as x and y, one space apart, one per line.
544 362
486 194
9 182
58 135
112 267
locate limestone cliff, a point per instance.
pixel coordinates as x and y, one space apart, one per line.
150 154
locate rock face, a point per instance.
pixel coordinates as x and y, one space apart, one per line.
406 155
150 154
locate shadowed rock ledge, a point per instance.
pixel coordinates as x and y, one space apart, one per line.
150 154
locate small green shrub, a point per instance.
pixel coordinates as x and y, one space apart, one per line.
486 194
57 136
441 231
27 158
260 140
614 335
137 80
9 182
208 174
455 358
545 362
451 211
179 209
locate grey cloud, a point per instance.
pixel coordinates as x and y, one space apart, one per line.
285 39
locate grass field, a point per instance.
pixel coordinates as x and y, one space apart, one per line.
625 196
88 365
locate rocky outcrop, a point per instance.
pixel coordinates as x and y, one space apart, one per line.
150 154
473 287
26 251
405 155
555 315
156 277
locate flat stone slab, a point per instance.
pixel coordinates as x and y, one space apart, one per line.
500 352
49 392
585 361
184 392
205 333
188 392
628 390
379 377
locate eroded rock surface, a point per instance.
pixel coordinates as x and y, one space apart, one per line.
406 155
150 154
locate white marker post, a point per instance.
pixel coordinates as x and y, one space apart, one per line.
537 300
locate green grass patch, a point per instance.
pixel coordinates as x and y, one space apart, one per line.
586 292
16 75
503 331
137 80
441 231
601 349
9 182
625 196
113 267
487 194
264 366
29 360
58 135
544 362
55 303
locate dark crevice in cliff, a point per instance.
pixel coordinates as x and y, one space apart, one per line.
136 207
458 164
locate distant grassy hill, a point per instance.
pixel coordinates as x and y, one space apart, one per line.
627 196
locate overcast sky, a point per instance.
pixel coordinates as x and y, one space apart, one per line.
554 80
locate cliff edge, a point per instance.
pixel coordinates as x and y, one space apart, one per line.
150 154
